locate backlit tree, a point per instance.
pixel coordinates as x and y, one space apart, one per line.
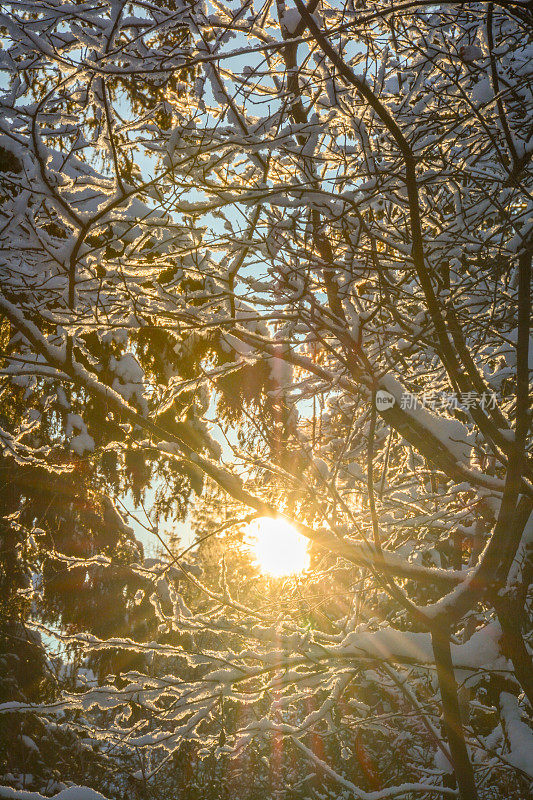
306 229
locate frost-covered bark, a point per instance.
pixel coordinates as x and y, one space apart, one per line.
307 226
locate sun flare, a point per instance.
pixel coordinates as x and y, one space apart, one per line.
278 547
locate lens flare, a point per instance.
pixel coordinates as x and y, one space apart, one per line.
278 547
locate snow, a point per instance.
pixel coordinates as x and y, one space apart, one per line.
129 379
520 560
470 52
390 643
482 92
29 743
519 734
359 192
127 368
82 443
281 373
291 19
392 85
450 432
479 654
72 793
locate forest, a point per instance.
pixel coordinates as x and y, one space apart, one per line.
266 474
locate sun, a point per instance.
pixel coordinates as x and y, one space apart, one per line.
278 547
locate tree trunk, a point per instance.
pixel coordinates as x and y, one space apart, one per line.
510 615
464 774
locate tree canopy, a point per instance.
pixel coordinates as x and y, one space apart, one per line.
266 260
